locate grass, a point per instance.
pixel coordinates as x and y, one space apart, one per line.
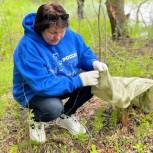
105 132
3 107
6 78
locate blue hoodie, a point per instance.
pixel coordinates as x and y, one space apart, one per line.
48 70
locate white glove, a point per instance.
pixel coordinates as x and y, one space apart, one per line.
99 66
89 78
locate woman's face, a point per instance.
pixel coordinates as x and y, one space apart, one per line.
53 35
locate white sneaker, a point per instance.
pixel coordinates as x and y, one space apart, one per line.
37 132
71 124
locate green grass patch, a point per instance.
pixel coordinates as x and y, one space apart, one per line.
6 76
3 107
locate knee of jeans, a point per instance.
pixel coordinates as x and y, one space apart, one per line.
53 111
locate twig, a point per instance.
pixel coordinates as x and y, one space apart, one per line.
99 30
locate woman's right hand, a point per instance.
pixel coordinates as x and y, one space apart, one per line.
89 78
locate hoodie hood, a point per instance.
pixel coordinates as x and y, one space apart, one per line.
28 23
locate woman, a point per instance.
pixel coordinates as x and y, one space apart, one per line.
48 64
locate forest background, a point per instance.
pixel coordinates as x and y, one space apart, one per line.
129 53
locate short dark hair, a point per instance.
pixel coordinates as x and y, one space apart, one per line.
42 20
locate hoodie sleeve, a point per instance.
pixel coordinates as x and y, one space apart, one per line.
31 66
86 55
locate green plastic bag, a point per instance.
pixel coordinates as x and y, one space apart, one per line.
120 92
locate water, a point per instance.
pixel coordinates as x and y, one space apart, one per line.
145 14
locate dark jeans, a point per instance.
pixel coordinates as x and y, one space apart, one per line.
46 109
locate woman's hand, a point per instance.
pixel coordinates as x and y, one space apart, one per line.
100 66
89 78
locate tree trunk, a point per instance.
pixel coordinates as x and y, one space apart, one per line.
115 9
80 9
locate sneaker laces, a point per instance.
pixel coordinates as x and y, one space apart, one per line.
37 125
72 117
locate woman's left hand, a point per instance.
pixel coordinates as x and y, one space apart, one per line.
100 66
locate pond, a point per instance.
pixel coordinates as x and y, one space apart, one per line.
145 13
